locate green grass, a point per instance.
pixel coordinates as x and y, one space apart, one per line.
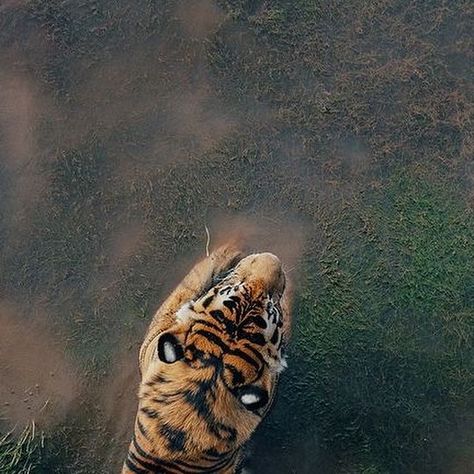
21 454
383 355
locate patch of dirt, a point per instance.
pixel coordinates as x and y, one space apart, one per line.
37 382
262 233
124 243
18 111
20 107
199 19
12 4
119 401
161 88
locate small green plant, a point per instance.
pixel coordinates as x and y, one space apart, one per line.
20 454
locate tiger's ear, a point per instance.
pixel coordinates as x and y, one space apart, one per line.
169 349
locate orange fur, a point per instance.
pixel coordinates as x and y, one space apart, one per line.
210 364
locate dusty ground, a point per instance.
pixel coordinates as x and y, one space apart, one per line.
337 134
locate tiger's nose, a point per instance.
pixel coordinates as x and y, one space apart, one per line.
265 267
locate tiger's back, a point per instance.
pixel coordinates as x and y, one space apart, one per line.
210 364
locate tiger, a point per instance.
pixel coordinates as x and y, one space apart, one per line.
209 364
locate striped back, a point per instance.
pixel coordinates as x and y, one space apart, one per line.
209 377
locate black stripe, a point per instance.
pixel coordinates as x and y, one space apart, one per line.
143 453
176 438
233 302
213 338
244 356
237 376
149 412
197 354
230 304
254 337
257 320
198 400
220 343
205 469
208 324
212 454
134 468
142 429
152 463
218 314
225 348
256 353
207 301
151 467
157 379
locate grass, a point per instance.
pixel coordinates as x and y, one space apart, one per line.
352 118
21 454
383 358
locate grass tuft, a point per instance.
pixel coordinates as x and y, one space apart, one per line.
21 454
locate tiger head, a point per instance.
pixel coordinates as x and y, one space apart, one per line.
210 377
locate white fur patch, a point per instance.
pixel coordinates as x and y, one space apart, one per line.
283 365
249 398
184 314
169 352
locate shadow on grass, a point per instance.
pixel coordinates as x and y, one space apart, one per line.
381 365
